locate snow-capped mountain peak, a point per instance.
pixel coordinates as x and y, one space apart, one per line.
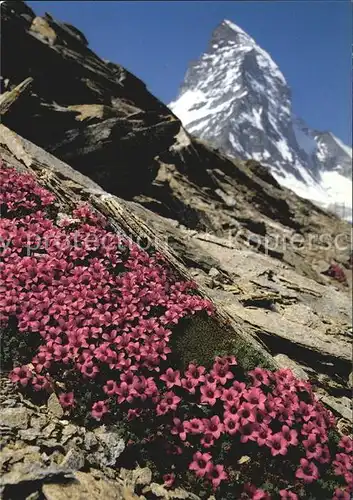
236 97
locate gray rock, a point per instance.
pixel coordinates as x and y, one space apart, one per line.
68 432
29 434
49 430
213 272
166 494
73 460
90 441
85 487
111 447
22 472
14 417
33 496
54 406
340 406
350 380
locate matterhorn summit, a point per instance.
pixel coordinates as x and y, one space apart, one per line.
236 98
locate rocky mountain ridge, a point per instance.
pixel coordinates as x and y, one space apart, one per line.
236 97
94 132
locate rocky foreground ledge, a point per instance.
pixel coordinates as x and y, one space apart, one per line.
44 455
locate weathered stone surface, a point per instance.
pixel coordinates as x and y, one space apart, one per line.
11 455
161 492
16 418
28 472
58 473
54 406
73 460
84 487
341 406
111 447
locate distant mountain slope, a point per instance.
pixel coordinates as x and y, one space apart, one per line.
236 97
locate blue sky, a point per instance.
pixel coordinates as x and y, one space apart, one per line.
309 40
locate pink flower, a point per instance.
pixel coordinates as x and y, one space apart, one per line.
307 471
348 477
140 388
110 387
264 433
216 474
288 495
325 456
179 429
221 373
231 425
260 495
162 408
312 447
213 426
255 397
189 385
40 383
194 426
200 464
99 409
168 479
171 400
254 493
260 377
346 443
133 413
231 409
248 432
42 360
342 464
341 495
20 375
125 392
231 360
246 413
210 394
89 370
207 440
285 415
290 435
195 373
67 399
128 377
230 396
171 378
306 411
262 417
277 444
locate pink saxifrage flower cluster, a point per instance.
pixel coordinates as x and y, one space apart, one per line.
104 312
87 315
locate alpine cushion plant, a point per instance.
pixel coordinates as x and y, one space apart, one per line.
88 311
337 272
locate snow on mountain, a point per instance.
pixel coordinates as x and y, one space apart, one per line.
236 97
